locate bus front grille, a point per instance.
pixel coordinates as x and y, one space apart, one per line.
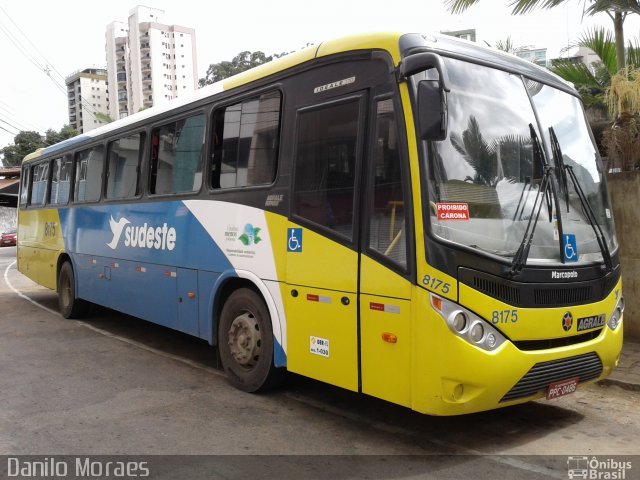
586 367
558 295
527 345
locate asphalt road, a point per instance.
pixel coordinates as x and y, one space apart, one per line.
115 385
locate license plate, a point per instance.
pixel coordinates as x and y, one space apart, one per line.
560 389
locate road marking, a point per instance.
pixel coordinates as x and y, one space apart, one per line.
389 428
109 334
22 295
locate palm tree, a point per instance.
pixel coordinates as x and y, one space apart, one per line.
593 82
604 86
617 10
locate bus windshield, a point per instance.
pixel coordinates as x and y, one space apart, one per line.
485 177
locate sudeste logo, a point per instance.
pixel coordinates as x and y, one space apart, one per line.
142 236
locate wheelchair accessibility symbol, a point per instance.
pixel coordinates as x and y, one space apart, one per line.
294 240
570 248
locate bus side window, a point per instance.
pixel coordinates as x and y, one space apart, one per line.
245 142
176 156
387 233
123 166
61 180
88 184
24 187
39 177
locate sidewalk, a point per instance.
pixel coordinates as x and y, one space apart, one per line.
627 375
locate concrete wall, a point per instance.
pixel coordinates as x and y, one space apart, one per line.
8 218
624 189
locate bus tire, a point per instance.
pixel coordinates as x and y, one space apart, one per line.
245 342
70 306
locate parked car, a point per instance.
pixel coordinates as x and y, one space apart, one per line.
8 238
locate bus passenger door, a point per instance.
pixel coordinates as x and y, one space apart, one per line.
322 239
386 262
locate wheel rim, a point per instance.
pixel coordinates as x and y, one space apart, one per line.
65 290
245 340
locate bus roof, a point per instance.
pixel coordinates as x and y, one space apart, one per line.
397 44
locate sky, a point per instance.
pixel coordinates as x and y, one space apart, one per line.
43 42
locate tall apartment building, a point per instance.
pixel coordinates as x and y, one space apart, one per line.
87 91
148 62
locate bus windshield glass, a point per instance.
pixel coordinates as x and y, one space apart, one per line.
484 179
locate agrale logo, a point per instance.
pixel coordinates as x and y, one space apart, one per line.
567 321
142 236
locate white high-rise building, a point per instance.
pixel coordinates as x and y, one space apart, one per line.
87 92
148 62
117 47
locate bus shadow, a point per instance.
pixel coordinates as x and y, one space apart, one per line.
480 433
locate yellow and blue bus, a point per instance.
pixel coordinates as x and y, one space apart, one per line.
411 217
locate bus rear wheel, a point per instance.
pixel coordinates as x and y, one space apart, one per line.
245 342
70 306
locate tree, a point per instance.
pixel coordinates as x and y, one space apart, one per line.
608 94
505 45
52 137
617 10
25 143
103 117
241 62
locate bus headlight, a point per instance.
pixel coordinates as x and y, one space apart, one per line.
616 316
467 325
477 332
459 322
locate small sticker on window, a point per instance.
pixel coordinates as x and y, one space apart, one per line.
452 211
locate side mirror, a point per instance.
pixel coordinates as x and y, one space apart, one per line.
432 94
432 110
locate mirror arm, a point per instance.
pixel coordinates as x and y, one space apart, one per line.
419 62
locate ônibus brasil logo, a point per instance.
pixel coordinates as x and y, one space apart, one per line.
142 236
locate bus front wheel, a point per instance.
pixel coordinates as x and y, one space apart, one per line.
245 342
70 306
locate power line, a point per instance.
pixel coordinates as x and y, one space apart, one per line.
11 133
47 68
30 42
10 112
11 125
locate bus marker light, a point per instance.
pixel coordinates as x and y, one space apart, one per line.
389 337
170 274
436 303
141 269
191 295
93 261
115 265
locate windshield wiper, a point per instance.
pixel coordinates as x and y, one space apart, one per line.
545 192
559 160
557 152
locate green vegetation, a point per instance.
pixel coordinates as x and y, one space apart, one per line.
28 142
241 62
